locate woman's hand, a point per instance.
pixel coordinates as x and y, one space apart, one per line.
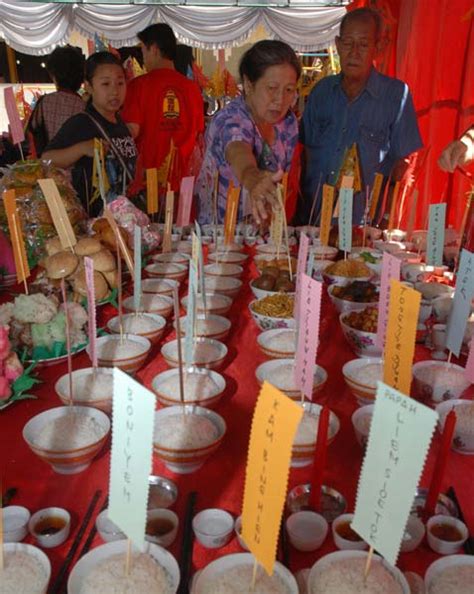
262 186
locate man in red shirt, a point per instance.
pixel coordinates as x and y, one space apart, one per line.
163 105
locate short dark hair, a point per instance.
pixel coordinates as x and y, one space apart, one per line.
99 59
162 36
264 54
184 58
66 66
363 14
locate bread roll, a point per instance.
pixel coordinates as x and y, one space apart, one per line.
53 246
87 246
100 284
104 261
61 264
111 278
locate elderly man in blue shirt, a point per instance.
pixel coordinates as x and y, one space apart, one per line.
360 106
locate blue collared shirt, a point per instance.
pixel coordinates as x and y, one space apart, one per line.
381 120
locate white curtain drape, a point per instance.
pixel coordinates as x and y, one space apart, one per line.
36 28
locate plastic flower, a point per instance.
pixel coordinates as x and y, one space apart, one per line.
12 367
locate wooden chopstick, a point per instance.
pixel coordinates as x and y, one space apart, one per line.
187 544
56 587
93 532
468 546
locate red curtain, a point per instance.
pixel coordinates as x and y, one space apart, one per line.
431 47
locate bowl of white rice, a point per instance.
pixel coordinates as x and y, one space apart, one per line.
304 444
68 437
233 246
225 285
150 303
451 575
278 343
227 257
127 352
437 381
463 438
168 270
90 387
103 570
26 569
232 574
207 352
280 373
174 257
223 269
159 286
361 376
149 325
216 304
342 572
208 326
201 386
186 436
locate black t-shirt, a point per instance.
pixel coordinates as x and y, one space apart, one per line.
81 127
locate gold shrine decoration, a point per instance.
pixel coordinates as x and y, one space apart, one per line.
166 168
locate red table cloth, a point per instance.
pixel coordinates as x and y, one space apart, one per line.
219 483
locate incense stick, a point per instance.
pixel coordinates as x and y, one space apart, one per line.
315 199
368 563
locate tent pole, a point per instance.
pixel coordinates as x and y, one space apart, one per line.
12 64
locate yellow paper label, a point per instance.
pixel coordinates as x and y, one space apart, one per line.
276 229
284 183
232 206
99 173
152 191
16 236
400 338
326 213
377 187
58 212
348 183
274 426
393 206
168 221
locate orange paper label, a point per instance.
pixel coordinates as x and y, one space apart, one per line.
376 189
232 206
152 191
16 236
393 206
400 338
326 213
274 426
346 182
168 221
58 212
284 183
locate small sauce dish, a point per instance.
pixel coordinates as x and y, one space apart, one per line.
161 527
108 530
238 533
345 538
307 530
50 526
213 527
413 535
15 523
446 534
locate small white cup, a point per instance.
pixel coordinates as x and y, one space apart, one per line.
109 532
446 547
342 543
163 515
238 533
361 420
213 527
48 541
15 523
307 530
413 535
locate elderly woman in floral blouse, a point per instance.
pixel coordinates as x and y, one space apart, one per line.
252 139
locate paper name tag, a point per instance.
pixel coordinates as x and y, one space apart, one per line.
308 334
190 315
232 207
61 221
276 228
326 213
375 195
152 191
461 308
399 438
16 236
435 240
185 201
390 271
274 426
346 199
133 422
302 259
400 336
169 209
200 264
16 129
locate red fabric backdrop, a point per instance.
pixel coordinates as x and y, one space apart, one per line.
430 45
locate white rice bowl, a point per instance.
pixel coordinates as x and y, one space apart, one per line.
453 574
26 569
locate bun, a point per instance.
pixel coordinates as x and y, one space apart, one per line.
100 285
111 278
53 246
87 246
61 264
104 261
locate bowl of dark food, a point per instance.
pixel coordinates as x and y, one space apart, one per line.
355 296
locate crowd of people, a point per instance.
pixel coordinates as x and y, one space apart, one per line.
252 141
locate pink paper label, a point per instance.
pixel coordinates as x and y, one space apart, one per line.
185 201
308 334
13 117
470 363
390 270
302 259
89 267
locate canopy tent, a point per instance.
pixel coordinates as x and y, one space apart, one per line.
36 28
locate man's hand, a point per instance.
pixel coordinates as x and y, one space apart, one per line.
455 154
